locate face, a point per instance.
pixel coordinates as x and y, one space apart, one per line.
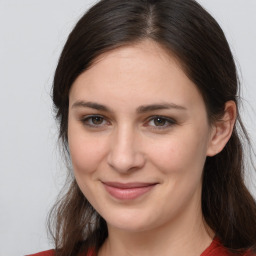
138 136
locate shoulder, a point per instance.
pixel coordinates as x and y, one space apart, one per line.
51 253
217 249
44 253
250 254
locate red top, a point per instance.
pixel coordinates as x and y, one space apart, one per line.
215 249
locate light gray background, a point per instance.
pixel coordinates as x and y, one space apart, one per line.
32 34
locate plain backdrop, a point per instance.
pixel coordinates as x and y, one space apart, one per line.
32 34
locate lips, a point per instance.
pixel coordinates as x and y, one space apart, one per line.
128 191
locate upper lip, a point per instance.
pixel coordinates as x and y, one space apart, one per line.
128 185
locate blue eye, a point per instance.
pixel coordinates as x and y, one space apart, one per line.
94 121
160 122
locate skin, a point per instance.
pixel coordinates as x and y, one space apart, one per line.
124 144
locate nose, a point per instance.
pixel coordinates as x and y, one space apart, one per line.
125 151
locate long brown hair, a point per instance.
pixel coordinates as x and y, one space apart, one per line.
190 33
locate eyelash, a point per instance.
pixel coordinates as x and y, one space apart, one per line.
85 120
168 122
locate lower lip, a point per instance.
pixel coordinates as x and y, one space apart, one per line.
127 193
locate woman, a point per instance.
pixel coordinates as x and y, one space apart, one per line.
146 97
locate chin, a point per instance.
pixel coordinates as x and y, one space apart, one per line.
131 221
131 226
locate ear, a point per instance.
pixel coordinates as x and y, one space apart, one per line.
222 129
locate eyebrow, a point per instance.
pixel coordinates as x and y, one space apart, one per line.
93 105
140 109
152 107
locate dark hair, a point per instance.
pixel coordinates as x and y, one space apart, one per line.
192 35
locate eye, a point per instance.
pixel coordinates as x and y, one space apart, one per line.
160 122
94 121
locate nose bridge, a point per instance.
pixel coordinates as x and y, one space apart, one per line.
125 150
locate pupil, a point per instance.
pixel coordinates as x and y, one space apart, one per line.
97 120
159 122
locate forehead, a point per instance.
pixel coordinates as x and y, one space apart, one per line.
141 72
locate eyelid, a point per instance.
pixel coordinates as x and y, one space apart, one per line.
86 118
170 122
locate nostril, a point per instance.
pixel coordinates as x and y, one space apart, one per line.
126 162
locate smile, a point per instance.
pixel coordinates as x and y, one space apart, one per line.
127 191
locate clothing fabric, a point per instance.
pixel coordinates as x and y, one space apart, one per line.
215 249
51 253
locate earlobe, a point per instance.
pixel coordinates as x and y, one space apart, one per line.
222 129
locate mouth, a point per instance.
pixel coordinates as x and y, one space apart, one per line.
128 191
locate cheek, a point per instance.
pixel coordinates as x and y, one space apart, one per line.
182 154
86 151
181 162
87 154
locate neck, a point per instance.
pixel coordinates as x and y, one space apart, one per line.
182 236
